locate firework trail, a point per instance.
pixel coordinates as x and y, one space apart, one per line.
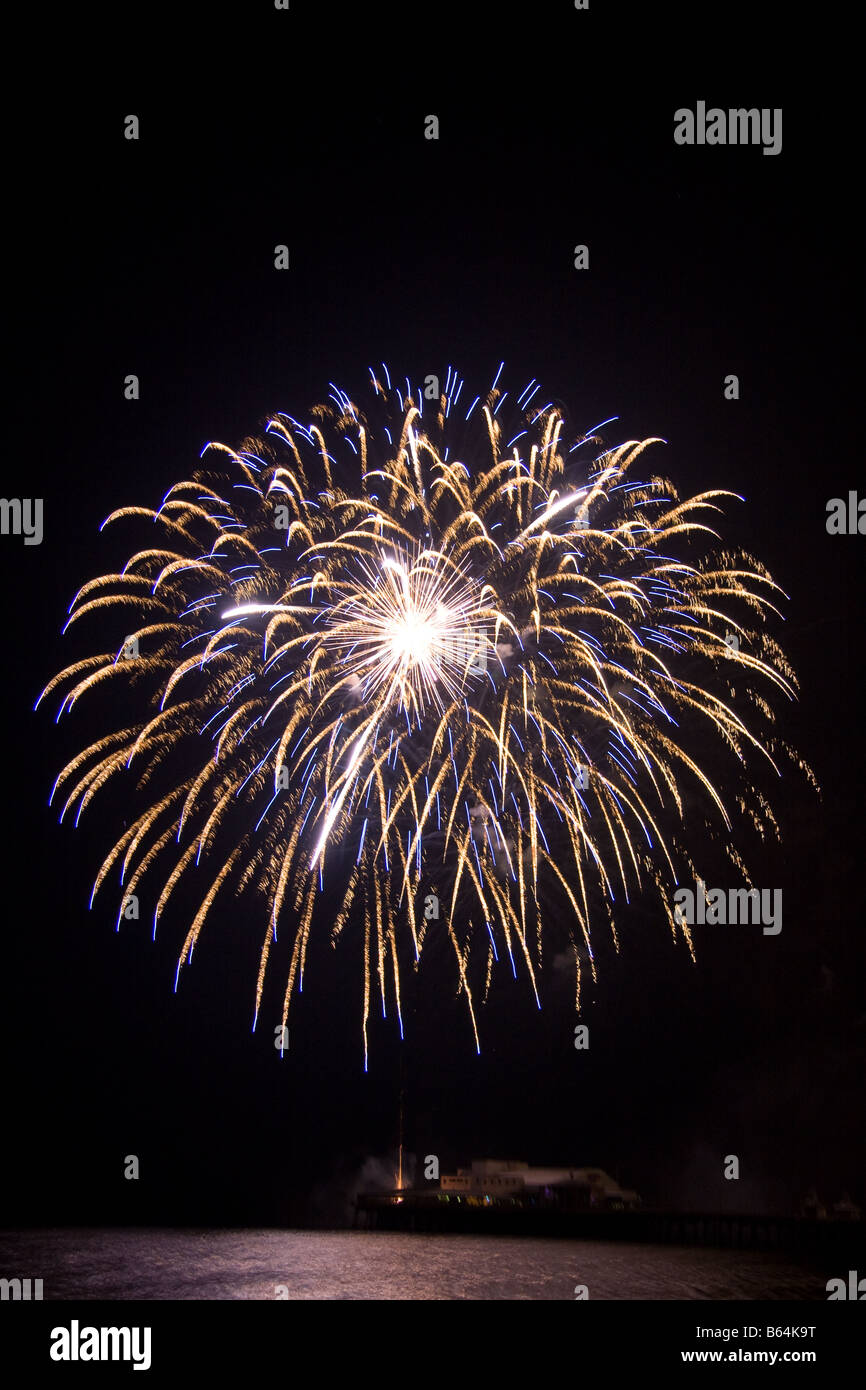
406 649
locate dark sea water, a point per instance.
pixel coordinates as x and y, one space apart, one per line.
249 1264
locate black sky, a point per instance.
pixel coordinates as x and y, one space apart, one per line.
156 258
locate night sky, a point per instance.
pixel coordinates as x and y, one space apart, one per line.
156 258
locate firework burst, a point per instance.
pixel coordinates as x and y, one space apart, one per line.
403 650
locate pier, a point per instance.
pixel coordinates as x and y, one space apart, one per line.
436 1212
